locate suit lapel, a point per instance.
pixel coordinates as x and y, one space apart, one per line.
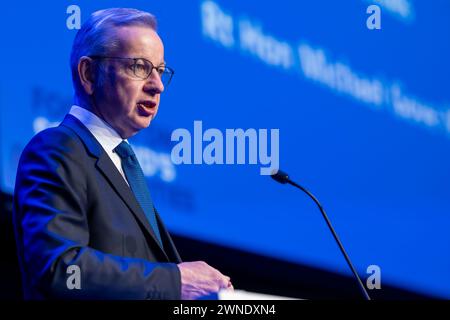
106 166
167 239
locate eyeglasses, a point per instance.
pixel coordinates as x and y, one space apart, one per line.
141 68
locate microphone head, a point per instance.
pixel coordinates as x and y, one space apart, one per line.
280 176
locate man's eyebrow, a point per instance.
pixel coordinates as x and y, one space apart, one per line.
156 65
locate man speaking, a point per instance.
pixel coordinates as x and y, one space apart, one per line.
81 202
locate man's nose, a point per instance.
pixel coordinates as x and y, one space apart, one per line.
153 83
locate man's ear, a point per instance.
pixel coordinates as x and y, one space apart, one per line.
86 74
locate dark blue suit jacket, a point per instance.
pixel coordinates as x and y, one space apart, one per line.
73 207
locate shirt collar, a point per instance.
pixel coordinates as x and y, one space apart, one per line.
102 131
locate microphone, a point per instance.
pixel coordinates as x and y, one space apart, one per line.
283 178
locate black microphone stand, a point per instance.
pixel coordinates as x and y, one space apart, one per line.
283 178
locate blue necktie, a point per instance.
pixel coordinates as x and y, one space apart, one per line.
136 180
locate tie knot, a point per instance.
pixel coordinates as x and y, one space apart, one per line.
124 150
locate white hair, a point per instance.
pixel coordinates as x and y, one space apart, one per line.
95 36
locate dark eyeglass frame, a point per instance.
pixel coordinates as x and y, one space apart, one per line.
169 71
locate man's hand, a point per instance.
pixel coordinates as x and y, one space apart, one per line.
198 279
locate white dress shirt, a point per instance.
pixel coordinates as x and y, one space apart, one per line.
103 132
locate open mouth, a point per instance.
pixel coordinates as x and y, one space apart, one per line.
147 107
147 104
